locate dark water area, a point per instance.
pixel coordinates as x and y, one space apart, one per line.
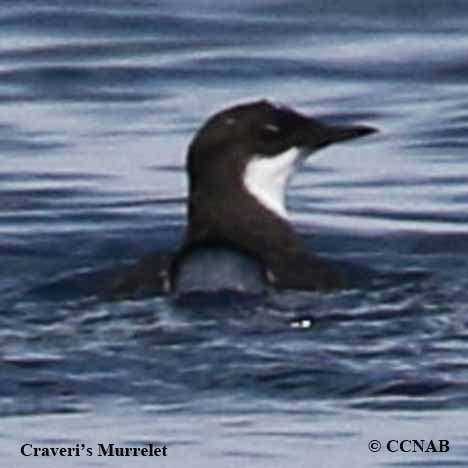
98 102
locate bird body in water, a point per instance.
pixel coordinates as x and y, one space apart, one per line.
238 236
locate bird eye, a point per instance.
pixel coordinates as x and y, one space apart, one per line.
271 128
270 131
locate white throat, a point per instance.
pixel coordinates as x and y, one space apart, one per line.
266 178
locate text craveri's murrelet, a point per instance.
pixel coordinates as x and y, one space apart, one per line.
99 450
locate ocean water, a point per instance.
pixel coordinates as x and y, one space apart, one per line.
98 102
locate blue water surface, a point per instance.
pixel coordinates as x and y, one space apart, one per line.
98 102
